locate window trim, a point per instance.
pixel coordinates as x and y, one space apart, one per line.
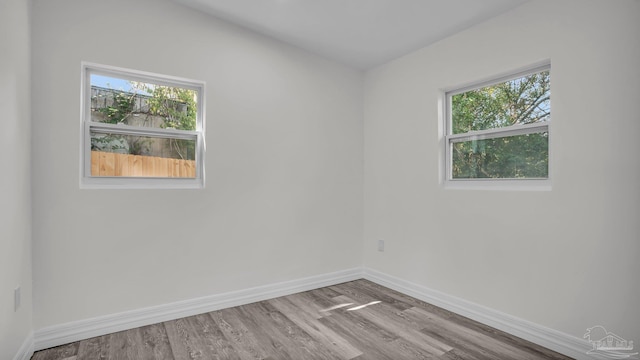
87 126
539 184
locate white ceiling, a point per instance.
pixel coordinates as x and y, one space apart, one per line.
359 33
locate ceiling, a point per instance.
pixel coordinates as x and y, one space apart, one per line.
358 33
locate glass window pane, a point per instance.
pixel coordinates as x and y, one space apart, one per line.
524 100
120 101
141 156
512 157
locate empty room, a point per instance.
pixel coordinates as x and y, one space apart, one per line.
319 179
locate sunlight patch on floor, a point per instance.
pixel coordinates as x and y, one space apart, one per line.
364 306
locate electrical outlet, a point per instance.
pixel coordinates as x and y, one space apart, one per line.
380 245
16 299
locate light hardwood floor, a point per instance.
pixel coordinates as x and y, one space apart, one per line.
355 320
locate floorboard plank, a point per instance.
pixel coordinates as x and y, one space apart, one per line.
188 339
384 320
376 343
96 348
125 345
58 353
297 343
243 340
311 303
213 338
156 342
479 344
319 332
375 294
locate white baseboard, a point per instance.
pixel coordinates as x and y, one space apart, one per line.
25 352
551 339
79 330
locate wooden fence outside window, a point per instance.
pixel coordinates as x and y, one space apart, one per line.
114 164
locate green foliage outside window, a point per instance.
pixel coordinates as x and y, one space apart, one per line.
520 101
176 107
121 107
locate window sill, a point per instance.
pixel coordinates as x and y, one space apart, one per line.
499 185
140 183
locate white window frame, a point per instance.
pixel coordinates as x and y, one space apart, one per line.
543 184
87 126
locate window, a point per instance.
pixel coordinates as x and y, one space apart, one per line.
497 132
140 130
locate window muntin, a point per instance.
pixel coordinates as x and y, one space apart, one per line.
141 129
499 130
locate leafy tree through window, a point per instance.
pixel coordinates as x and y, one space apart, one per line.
500 130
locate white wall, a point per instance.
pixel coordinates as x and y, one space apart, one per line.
283 198
566 259
15 183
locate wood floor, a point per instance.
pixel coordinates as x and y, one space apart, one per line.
355 320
